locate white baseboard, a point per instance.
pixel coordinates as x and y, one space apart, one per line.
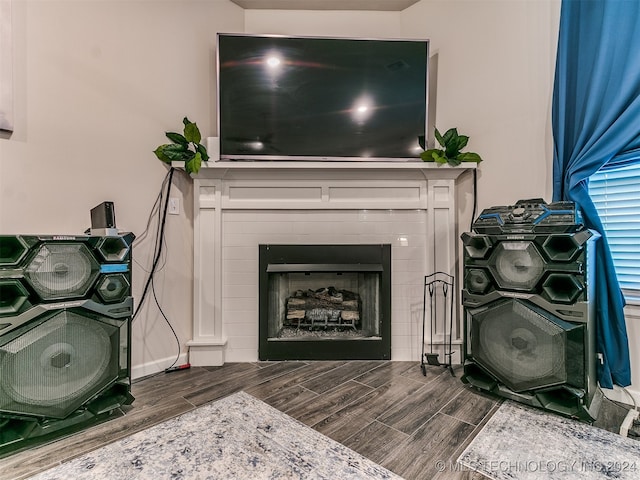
149 368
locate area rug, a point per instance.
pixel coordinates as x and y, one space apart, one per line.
238 437
523 443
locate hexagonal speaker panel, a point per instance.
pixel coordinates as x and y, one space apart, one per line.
477 280
476 246
13 296
113 249
562 288
517 265
561 248
12 250
113 288
527 348
62 270
58 365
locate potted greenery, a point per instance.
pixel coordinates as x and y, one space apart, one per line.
452 143
185 147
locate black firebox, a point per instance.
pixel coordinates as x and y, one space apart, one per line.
325 302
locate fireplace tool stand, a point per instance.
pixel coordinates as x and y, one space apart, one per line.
433 282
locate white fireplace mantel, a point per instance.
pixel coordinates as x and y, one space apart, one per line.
238 205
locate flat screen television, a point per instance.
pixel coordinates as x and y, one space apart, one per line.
321 99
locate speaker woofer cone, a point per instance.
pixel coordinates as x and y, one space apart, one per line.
517 265
60 270
113 288
523 346
57 365
477 280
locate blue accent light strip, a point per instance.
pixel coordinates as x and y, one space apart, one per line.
492 215
114 268
548 213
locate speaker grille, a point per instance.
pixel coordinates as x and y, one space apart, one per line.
523 346
60 270
57 365
476 280
517 265
113 288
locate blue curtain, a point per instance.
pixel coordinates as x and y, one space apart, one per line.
596 124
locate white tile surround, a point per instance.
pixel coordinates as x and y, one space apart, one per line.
239 205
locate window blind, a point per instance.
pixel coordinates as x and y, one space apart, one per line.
616 195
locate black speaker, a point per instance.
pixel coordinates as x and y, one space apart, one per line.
65 315
528 315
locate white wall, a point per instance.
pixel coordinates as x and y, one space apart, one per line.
97 82
495 61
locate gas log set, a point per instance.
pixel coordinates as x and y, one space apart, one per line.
323 308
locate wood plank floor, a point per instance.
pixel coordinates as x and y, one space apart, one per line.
387 411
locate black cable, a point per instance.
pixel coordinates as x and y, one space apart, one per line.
475 198
159 244
154 209
157 255
155 297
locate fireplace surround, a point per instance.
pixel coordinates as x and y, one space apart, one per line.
240 205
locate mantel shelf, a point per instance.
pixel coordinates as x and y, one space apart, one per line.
427 169
304 165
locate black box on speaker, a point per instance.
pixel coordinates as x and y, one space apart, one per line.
103 216
65 316
529 318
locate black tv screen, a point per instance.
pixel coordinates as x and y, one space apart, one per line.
316 98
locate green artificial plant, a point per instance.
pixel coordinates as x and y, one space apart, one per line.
450 152
185 148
